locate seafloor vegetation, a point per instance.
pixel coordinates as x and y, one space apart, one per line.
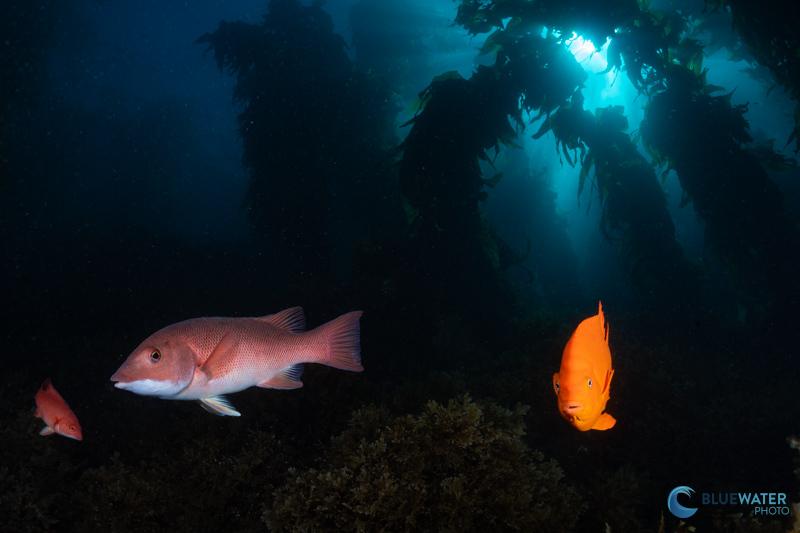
453 426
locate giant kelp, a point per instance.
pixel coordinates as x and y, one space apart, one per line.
634 208
441 181
662 61
769 30
704 138
461 122
313 129
522 209
594 20
395 40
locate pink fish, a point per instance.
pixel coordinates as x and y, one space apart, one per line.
205 358
55 412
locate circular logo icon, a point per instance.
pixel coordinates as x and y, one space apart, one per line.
676 508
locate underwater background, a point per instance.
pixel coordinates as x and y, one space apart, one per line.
475 175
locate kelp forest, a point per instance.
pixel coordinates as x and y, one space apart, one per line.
475 176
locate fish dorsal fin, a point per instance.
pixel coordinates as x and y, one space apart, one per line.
292 319
214 365
288 378
603 324
607 384
219 405
46 384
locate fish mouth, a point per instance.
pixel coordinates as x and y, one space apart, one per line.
150 387
571 411
122 380
119 376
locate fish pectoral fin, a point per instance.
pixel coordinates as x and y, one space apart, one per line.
47 431
219 405
215 362
606 421
288 378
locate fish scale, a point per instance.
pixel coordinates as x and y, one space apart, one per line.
260 348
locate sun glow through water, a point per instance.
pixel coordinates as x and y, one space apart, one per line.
585 52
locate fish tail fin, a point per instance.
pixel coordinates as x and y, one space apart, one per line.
46 384
343 342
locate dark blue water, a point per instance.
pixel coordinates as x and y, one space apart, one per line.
474 177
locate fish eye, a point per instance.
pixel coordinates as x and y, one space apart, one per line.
72 428
590 383
155 356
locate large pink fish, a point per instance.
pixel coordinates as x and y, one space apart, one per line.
205 358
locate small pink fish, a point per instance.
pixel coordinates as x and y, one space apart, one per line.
205 358
55 412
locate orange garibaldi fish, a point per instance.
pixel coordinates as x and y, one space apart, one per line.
583 382
58 417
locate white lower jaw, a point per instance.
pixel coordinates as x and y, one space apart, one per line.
150 387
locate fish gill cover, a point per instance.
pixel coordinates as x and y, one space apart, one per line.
475 177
